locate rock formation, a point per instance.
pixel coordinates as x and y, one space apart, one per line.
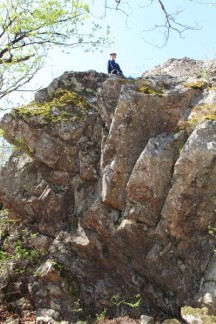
117 178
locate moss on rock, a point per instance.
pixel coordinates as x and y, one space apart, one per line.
196 85
198 315
212 88
54 109
199 113
171 321
144 87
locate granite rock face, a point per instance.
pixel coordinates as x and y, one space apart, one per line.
120 175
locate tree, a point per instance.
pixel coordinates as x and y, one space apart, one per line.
171 21
28 29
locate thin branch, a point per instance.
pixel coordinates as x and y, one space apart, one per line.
12 60
204 3
18 83
170 24
117 7
147 5
118 3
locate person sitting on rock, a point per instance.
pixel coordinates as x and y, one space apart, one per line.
113 67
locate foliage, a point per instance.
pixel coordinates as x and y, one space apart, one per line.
4 225
15 245
134 302
77 307
29 29
101 316
22 251
122 305
212 231
19 255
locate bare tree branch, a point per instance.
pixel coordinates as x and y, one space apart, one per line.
171 23
17 83
204 3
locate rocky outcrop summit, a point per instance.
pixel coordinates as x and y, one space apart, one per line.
116 178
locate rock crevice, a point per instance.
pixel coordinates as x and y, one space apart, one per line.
119 174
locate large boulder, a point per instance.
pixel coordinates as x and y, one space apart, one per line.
120 175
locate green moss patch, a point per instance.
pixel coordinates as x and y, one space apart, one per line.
204 110
196 85
199 315
54 110
21 145
199 113
144 87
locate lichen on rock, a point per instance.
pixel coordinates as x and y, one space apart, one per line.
55 109
119 176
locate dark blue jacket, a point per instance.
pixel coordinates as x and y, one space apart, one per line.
112 65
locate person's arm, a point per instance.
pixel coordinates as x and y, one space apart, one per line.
109 69
119 69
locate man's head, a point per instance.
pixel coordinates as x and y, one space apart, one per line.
113 56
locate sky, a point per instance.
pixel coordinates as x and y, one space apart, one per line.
130 39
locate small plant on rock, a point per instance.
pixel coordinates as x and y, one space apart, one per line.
101 316
123 306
